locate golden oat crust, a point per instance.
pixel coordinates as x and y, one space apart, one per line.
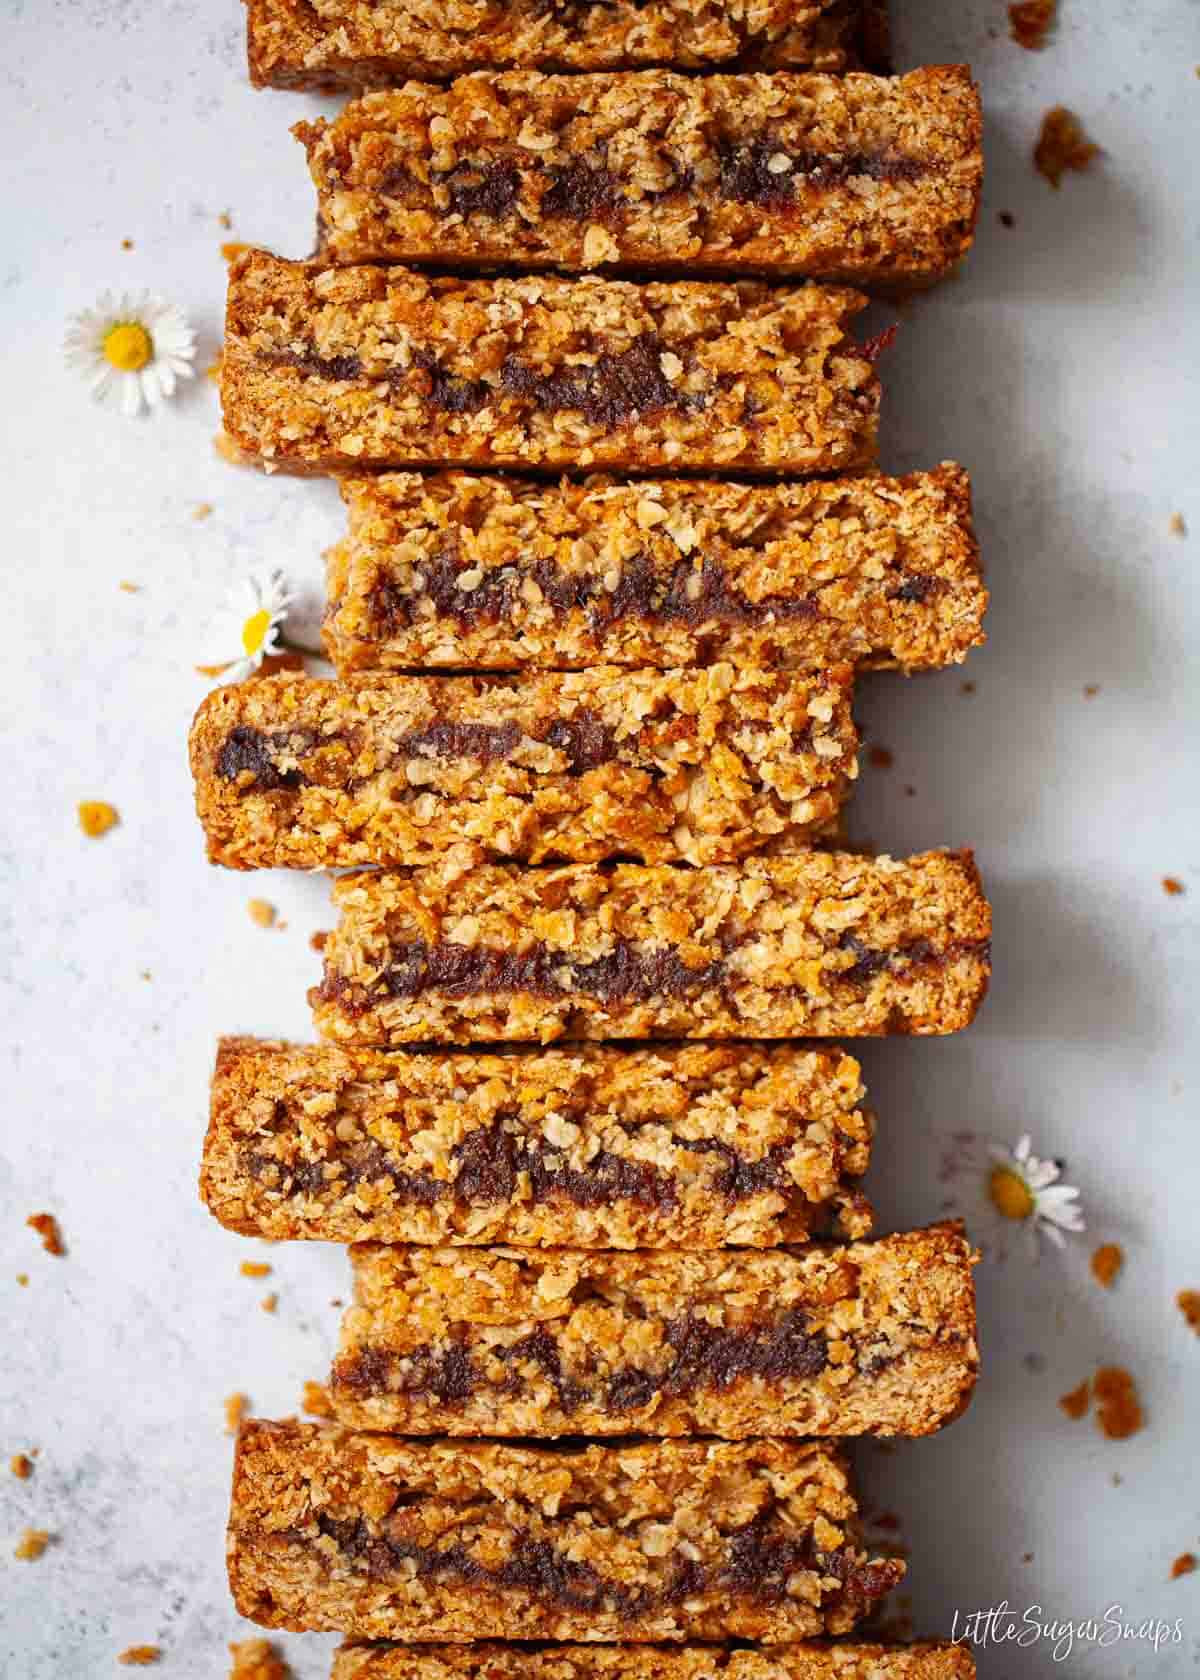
431 1540
681 1146
819 944
334 369
867 180
678 766
874 1338
846 1660
880 571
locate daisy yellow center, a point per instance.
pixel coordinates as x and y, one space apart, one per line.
128 347
1009 1193
254 631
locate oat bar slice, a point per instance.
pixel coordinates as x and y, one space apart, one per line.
689 1146
871 1338
453 569
324 45
805 1660
820 944
869 180
693 766
434 1540
337 369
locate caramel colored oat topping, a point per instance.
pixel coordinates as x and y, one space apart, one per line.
254 1269
1185 1564
1062 145
47 1228
1118 1410
21 1466
315 1400
1106 1264
262 914
140 1656
1173 886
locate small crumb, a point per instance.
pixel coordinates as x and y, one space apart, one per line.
1185 1564
257 1659
1090 690
1075 1404
233 248
910 791
145 974
1029 22
874 347
1106 1263
1173 886
225 220
318 941
1118 1410
881 758
1188 1302
316 1401
887 1520
23 1279
262 914
213 670
47 1228
967 687
1177 525
202 510
1035 1362
129 588
32 1544
254 1269
269 1303
96 817
1006 219
21 1466
1116 1478
1026 1557
235 1411
337 1301
140 1656
1062 145
127 244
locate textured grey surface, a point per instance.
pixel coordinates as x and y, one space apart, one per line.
1059 367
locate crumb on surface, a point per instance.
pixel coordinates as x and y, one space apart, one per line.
129 588
1177 525
881 758
1188 1302
47 1228
1173 886
235 1411
202 510
874 347
967 687
315 1400
1106 1263
233 248
318 941
262 914
255 1269
140 1656
1090 690
1030 21
910 791
23 1279
224 219
1118 1410
127 244
96 817
1006 218
1062 145
1185 1564
32 1544
1026 1557
21 1466
269 1302
257 1659
1075 1404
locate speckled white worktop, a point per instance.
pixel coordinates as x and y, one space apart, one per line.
1061 368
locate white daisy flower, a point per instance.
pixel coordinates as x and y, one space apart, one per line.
251 625
1025 1189
134 346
